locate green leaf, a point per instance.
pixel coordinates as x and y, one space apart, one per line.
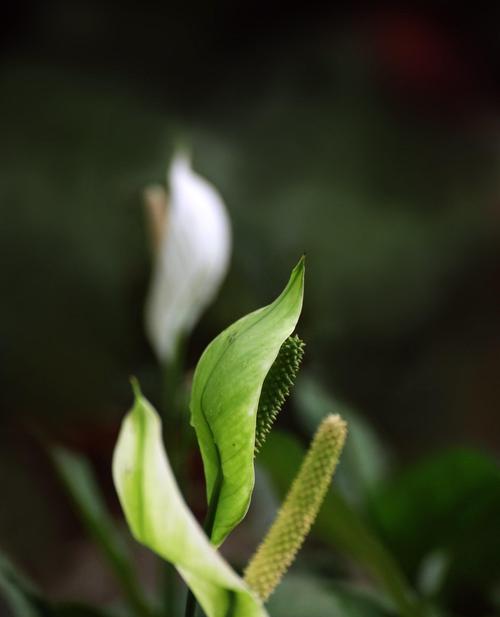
225 396
298 596
25 600
364 460
159 518
78 479
301 595
339 525
446 507
19 593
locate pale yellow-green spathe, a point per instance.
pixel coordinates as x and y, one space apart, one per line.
160 519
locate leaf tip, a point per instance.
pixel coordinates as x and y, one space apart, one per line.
136 388
301 264
296 279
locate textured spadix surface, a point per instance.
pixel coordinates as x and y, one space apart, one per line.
300 508
277 386
159 518
225 396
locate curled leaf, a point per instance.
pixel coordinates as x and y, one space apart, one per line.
159 518
225 397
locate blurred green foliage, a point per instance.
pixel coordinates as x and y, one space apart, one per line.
301 595
78 478
445 511
365 459
24 600
340 526
388 229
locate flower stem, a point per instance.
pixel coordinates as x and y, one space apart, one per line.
208 526
174 432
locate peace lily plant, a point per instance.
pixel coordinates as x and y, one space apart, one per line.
239 385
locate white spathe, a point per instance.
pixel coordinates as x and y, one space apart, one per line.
191 260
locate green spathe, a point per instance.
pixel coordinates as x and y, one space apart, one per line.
159 518
225 396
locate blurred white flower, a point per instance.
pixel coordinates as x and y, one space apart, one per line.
191 235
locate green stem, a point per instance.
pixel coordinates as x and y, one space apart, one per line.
191 605
174 434
173 371
208 526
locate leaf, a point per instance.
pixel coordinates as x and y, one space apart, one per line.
358 601
340 526
19 593
159 518
298 596
364 460
448 505
78 479
302 594
25 600
225 396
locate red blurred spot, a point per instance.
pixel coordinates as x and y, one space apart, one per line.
419 54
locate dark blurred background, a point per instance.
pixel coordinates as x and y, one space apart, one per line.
368 137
